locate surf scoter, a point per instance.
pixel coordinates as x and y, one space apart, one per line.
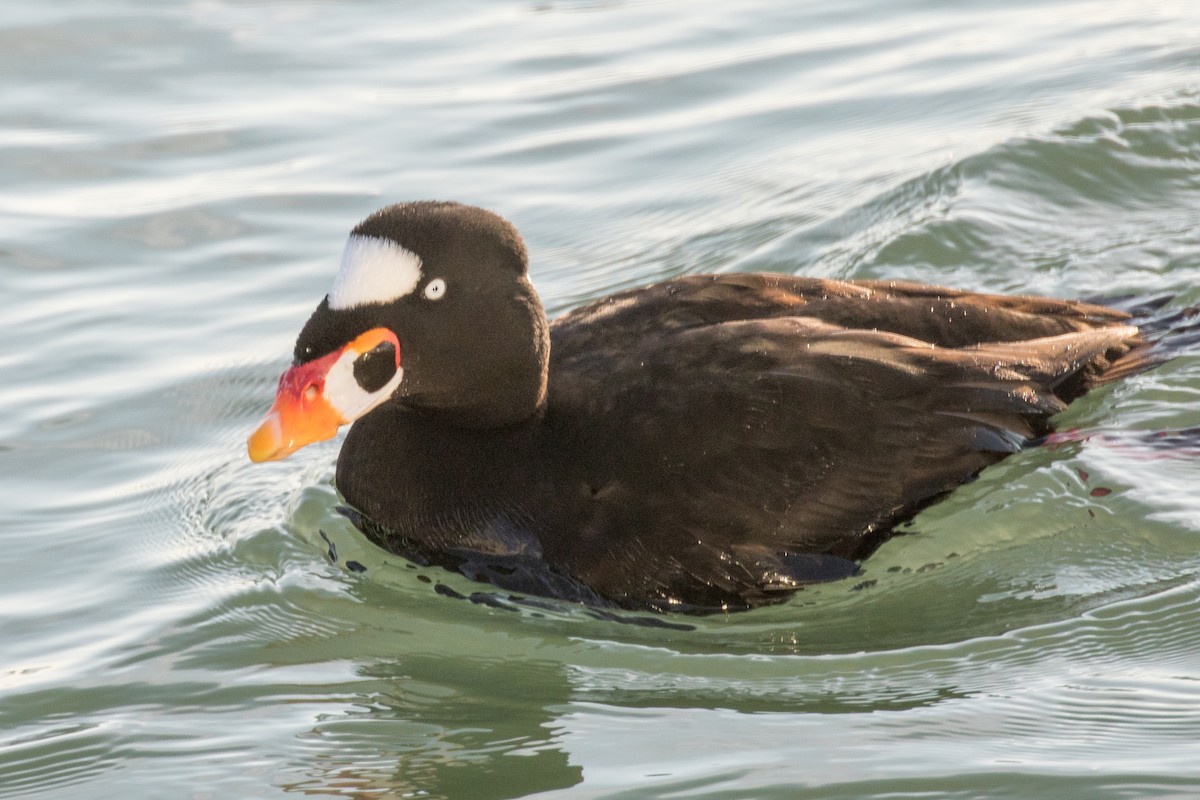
707 442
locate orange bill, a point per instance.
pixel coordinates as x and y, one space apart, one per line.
316 398
300 414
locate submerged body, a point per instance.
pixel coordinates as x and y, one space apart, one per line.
710 442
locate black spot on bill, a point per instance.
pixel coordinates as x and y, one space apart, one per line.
374 368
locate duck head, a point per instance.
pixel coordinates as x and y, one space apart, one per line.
432 311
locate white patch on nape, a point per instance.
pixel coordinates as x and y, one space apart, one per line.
374 270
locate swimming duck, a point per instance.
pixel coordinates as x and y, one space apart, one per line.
704 443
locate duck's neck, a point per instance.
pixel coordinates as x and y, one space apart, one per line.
424 477
503 383
446 463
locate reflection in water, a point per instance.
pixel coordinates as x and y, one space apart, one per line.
468 728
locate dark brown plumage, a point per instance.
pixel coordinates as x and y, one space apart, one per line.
703 443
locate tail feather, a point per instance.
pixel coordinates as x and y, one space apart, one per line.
1072 363
1165 333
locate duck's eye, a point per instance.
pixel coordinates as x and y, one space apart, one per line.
374 368
435 289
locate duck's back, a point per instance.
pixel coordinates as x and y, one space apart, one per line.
933 314
721 439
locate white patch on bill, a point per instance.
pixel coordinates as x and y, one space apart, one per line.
374 270
349 399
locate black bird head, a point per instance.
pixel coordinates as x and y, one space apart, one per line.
431 309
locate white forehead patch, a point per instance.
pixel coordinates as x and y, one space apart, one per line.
374 270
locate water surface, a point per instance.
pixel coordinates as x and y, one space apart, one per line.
176 182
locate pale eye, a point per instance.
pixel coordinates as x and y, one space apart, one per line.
435 289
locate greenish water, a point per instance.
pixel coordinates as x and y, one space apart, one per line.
176 182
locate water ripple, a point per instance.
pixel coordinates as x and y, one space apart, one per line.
177 184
